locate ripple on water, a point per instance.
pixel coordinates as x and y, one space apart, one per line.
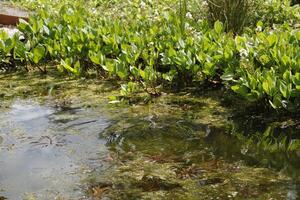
46 152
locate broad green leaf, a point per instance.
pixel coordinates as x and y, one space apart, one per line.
229 76
269 83
285 89
240 89
38 53
209 69
296 79
97 58
285 59
24 26
19 51
297 34
171 52
287 75
77 68
276 102
272 39
294 145
109 66
67 65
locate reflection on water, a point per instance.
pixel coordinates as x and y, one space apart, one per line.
194 157
46 152
136 152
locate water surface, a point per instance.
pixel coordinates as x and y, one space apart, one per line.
46 151
62 139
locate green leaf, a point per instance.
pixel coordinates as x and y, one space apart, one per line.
272 39
77 68
218 27
269 83
171 52
97 58
8 45
134 71
240 89
297 35
67 64
121 70
285 59
259 24
19 51
209 68
276 103
287 76
24 26
37 24
285 89
296 79
264 59
294 145
229 76
109 65
38 53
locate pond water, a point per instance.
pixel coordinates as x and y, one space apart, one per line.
46 151
72 146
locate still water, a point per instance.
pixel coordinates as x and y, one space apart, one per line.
165 150
46 151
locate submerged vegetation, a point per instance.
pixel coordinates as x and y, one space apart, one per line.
182 145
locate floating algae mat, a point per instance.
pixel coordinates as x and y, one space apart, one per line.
61 139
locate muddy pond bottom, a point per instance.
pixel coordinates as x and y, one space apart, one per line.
155 151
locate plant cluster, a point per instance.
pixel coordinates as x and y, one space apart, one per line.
149 48
148 52
269 66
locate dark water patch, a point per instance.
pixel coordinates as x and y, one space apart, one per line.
201 157
155 184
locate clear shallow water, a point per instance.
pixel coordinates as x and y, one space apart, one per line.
138 152
210 163
47 152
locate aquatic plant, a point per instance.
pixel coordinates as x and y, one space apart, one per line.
158 49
